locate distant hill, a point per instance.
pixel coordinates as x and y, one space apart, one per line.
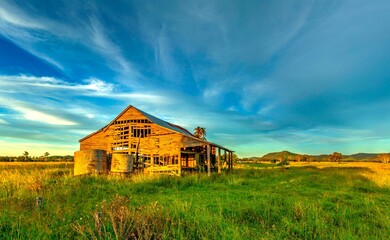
362 156
278 155
290 156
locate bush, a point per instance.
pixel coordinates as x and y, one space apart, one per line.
283 163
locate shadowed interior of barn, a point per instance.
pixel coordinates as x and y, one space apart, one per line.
137 141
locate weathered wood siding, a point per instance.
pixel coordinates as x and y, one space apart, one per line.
155 143
99 140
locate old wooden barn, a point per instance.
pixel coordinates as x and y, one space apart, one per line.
150 144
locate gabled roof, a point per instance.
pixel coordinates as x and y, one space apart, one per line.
152 118
158 121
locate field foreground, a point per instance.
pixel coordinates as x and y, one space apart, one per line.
303 201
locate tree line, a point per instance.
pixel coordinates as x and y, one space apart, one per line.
45 157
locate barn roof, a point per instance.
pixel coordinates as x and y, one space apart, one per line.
158 121
165 124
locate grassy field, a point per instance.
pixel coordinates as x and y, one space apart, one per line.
303 201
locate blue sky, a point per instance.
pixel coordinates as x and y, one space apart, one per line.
261 76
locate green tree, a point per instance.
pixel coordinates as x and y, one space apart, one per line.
235 158
25 154
305 158
46 155
335 157
200 132
384 157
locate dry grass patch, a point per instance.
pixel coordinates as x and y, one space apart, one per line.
377 172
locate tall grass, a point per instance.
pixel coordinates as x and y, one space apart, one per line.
295 203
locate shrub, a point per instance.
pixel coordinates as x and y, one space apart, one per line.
284 163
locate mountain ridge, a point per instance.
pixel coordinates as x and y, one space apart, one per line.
291 156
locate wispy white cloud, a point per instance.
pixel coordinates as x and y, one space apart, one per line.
22 83
164 57
28 113
24 30
225 43
34 33
15 16
34 92
91 87
102 44
3 121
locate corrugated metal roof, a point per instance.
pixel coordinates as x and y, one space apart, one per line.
165 124
177 128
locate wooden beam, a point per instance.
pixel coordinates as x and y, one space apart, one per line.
190 152
208 161
219 160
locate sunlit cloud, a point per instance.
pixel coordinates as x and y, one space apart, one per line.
91 87
33 115
97 85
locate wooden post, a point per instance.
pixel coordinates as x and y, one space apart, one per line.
227 161
151 159
179 162
219 160
232 160
224 153
208 161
